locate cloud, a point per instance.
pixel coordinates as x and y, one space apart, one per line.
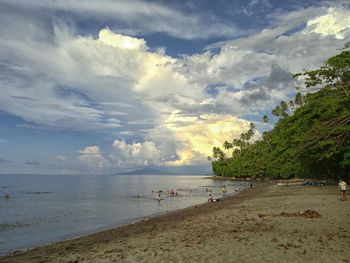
139 154
334 23
83 88
93 158
247 71
196 136
61 157
254 5
131 17
90 150
119 41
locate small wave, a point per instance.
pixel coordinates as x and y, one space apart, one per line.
11 225
38 193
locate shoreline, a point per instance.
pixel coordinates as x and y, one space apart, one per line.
127 222
221 230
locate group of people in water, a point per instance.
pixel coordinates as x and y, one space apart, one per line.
169 193
209 189
173 193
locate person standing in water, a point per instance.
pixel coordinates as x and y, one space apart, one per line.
158 196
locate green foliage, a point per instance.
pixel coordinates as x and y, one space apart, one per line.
312 141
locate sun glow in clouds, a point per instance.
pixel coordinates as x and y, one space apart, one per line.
197 136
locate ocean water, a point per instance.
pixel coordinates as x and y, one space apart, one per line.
49 208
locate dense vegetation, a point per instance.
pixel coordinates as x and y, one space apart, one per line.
311 138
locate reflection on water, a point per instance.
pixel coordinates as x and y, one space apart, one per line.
44 209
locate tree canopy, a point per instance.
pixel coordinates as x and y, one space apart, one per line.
311 139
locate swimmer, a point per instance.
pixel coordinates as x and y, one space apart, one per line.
224 189
158 196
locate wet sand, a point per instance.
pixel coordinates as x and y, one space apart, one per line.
267 224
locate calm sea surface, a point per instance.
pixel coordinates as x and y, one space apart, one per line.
48 208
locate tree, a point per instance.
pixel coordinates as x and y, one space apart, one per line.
265 119
311 140
335 74
331 132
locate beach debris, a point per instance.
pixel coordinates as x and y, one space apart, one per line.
306 214
288 244
299 253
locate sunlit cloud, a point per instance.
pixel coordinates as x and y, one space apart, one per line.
119 41
93 158
136 154
334 23
196 136
90 150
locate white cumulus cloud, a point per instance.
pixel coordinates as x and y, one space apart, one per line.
93 158
139 154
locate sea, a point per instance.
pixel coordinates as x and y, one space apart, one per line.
43 209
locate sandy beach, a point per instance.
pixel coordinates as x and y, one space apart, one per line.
267 224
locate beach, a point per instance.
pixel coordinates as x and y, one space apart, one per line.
269 223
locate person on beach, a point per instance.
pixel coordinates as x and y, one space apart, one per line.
224 189
158 196
342 186
211 199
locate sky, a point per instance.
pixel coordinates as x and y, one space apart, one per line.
109 86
